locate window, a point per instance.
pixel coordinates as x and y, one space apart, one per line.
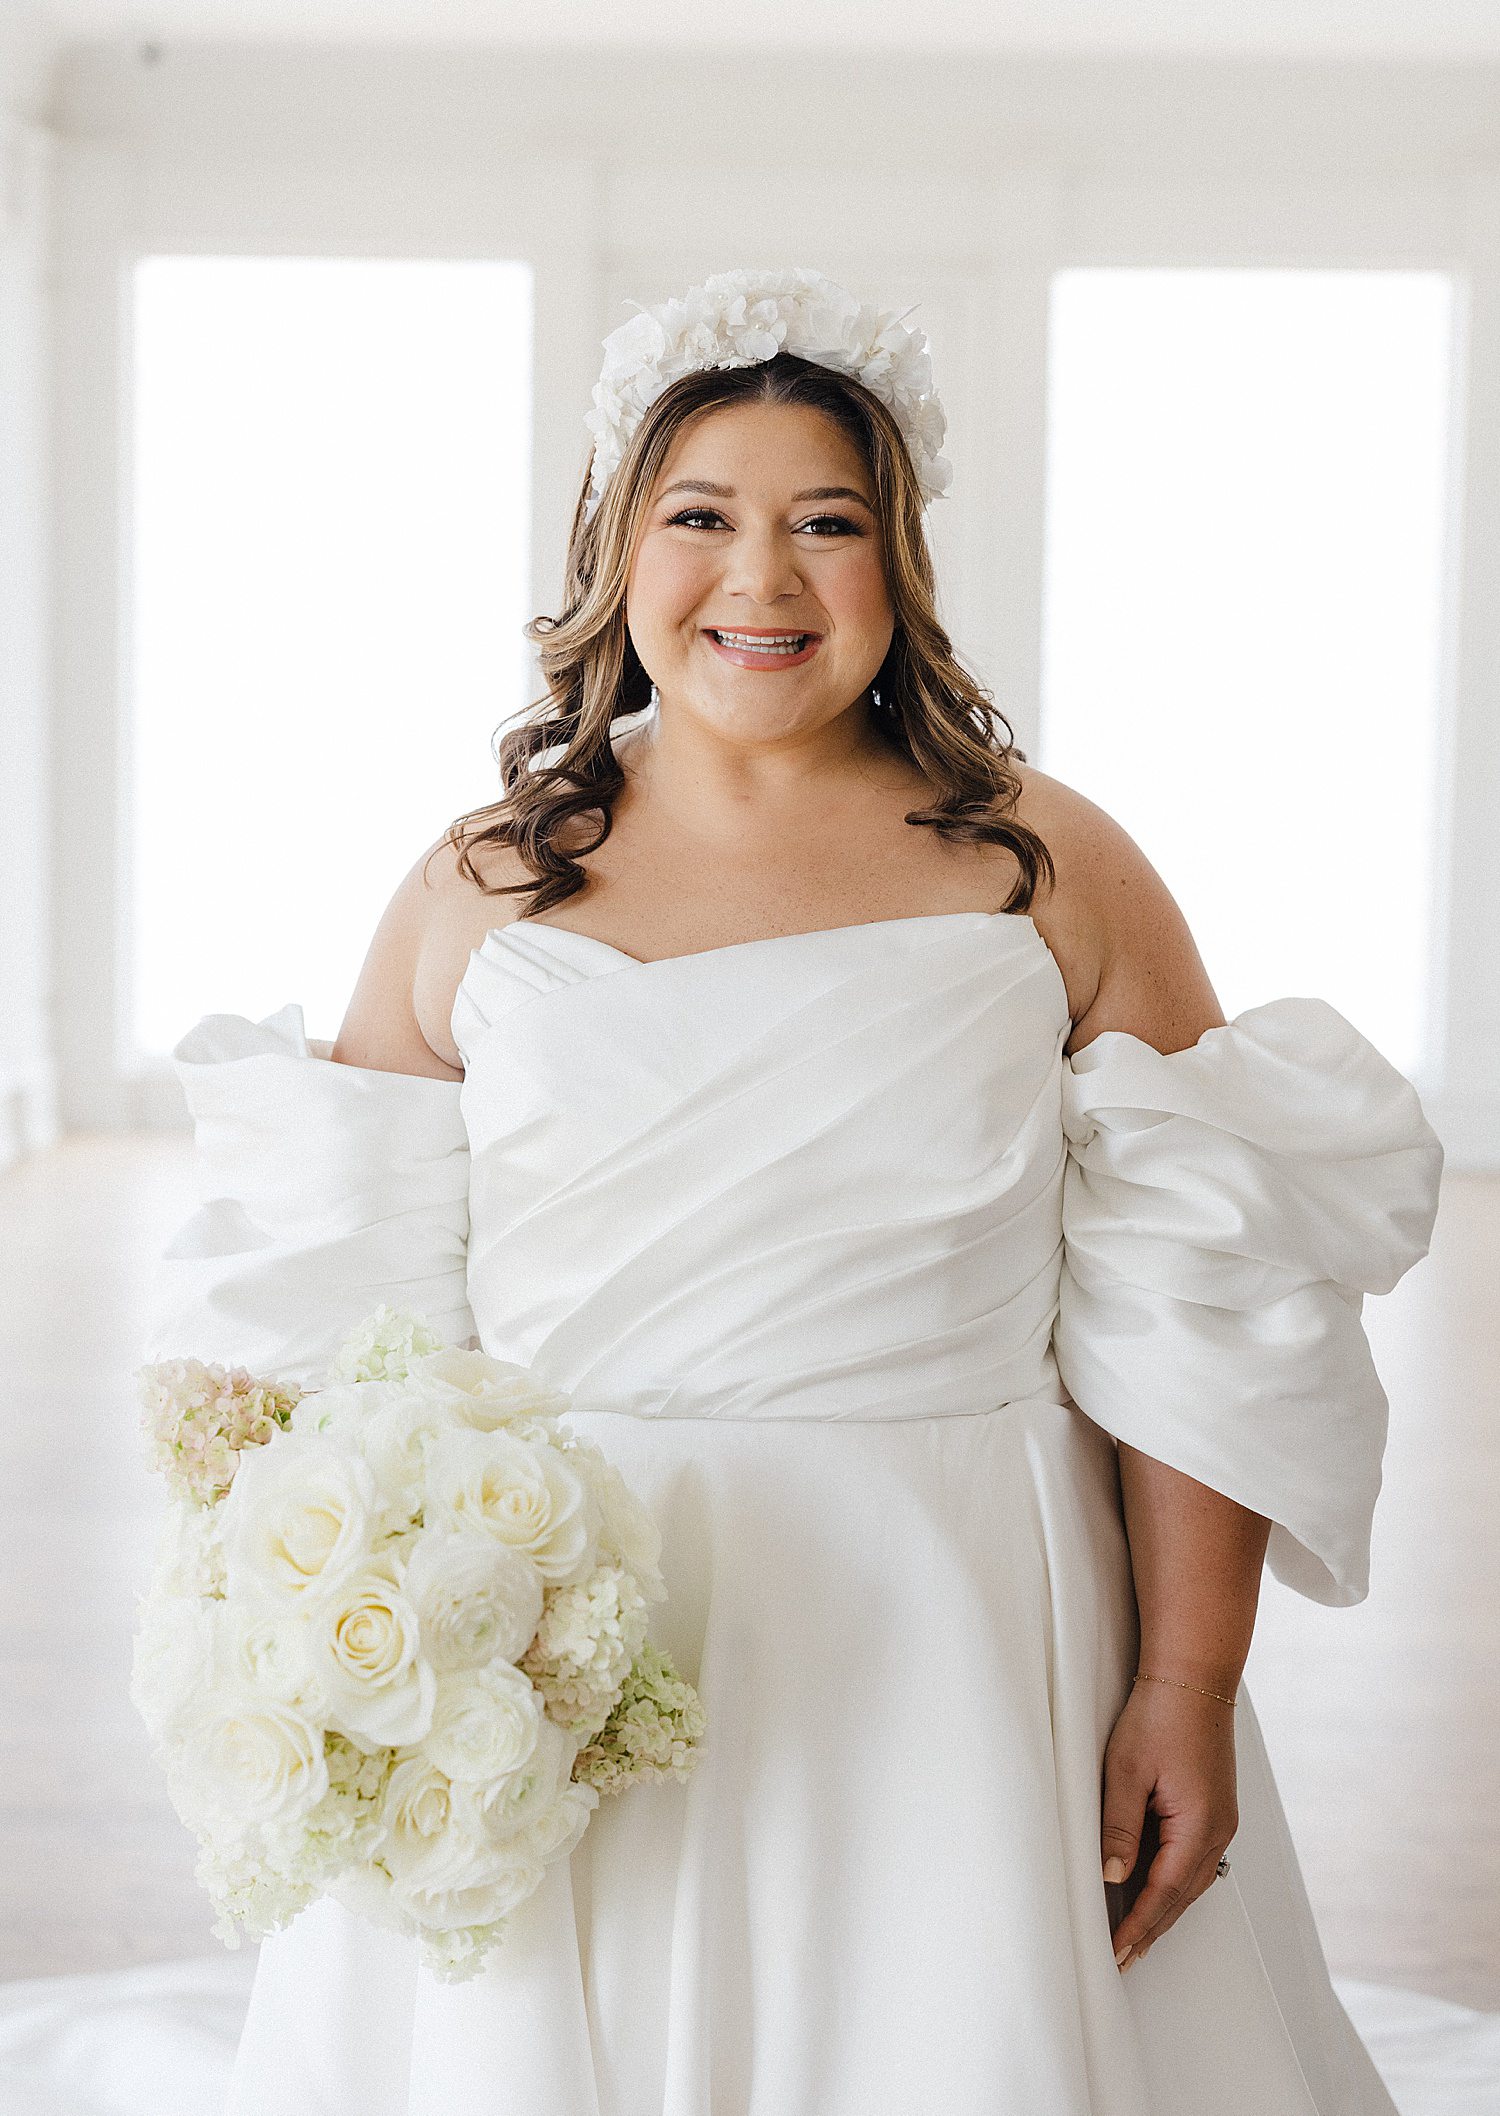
1244 555
329 567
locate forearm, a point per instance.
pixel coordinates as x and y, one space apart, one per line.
1196 1557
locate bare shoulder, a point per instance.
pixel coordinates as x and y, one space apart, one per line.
1126 951
398 1019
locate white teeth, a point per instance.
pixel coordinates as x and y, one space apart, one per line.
787 642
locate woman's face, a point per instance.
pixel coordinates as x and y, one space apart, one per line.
762 521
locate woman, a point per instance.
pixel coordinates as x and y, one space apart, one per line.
842 1114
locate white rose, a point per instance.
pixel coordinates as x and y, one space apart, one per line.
248 1761
445 1872
475 1598
483 1392
363 1645
418 1805
301 1514
486 1723
527 1497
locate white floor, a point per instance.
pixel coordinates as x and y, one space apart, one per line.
158 2041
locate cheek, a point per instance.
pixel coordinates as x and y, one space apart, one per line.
856 594
667 583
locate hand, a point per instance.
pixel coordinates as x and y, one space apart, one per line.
1171 1750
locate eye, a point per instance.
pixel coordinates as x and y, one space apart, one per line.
841 524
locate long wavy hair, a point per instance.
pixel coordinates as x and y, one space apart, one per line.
927 706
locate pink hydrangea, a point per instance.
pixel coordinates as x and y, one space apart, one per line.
199 1417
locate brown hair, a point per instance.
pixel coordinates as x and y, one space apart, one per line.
930 709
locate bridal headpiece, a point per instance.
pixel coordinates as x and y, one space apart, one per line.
737 319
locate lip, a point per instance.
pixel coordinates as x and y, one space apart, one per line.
748 658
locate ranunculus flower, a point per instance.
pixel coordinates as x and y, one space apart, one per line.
485 1722
484 1392
476 1598
513 1803
463 1885
396 1436
263 1647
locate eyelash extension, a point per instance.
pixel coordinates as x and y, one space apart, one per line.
842 520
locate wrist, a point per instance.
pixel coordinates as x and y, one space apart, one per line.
1216 1671
1221 1688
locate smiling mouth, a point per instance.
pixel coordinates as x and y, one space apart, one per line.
769 647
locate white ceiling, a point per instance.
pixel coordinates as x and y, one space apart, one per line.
1422 29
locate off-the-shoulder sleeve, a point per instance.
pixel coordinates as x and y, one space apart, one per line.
324 1189
1225 1210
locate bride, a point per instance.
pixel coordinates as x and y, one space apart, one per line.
838 1108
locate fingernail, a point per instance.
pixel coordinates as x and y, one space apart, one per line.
1123 1956
1114 1868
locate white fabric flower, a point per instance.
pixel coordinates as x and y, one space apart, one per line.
739 319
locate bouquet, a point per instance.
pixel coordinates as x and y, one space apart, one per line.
395 1647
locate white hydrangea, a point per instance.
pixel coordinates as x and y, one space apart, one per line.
739 319
383 1347
585 1644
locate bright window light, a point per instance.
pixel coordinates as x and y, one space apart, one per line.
1246 506
329 567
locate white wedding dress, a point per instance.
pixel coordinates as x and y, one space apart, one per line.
857 1278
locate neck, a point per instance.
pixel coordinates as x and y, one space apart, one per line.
715 782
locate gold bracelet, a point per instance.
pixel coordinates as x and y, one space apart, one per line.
1182 1686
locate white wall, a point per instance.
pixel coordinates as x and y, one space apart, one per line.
27 1069
959 184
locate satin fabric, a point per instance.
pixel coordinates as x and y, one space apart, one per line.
856 1276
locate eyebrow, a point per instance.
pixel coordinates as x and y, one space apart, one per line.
726 492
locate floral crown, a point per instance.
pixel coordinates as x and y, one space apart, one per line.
737 319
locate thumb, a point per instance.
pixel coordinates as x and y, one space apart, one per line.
1120 1828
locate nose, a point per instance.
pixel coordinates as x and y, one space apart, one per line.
762 568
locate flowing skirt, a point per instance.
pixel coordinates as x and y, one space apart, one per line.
880 1887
